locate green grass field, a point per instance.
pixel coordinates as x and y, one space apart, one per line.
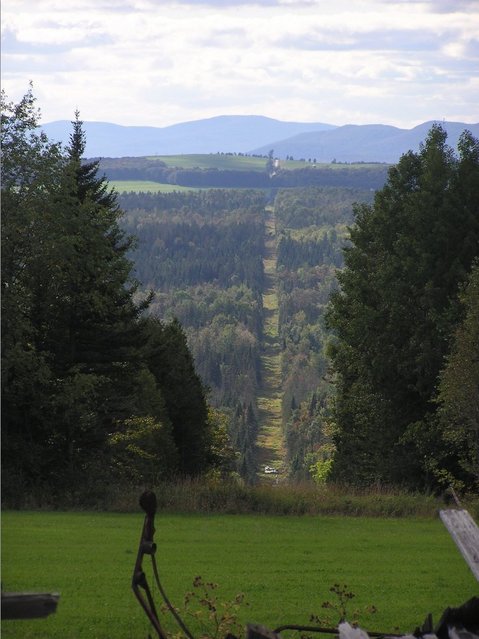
213 161
145 186
284 565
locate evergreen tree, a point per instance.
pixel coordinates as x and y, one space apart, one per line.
92 330
397 308
72 338
86 180
170 361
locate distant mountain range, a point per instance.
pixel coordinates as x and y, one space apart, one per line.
256 135
362 143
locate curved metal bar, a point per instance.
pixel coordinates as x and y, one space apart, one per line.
170 607
139 581
146 546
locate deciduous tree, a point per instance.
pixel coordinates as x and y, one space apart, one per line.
459 390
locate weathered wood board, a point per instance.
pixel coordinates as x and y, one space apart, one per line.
465 533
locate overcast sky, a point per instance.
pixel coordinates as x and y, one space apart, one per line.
159 62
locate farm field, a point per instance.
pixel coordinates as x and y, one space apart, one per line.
213 161
285 566
145 186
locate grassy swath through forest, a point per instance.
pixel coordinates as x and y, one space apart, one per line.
285 567
270 442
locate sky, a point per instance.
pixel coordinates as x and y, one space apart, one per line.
161 62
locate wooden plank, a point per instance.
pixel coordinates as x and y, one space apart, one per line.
465 534
28 605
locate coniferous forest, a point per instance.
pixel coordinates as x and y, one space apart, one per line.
133 332
93 390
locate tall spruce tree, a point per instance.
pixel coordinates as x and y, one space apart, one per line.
396 310
95 336
86 179
101 315
71 335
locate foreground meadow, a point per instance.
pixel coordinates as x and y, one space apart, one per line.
285 566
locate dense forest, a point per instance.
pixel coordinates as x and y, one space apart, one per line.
312 226
134 324
201 254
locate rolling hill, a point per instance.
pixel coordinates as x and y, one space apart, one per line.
219 134
256 135
361 143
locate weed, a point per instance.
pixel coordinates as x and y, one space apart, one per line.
339 607
203 496
214 618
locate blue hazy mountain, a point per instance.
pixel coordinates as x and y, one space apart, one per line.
225 133
257 135
361 143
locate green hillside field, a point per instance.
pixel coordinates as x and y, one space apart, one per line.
219 161
146 186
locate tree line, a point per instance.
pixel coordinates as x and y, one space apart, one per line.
362 177
207 203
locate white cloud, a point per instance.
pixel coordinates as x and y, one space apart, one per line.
157 63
